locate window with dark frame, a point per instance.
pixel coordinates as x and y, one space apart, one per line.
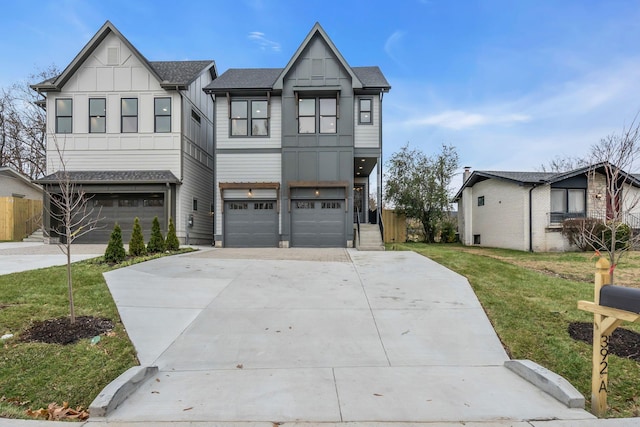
476 239
97 115
162 114
481 201
195 205
249 118
129 115
195 116
317 113
565 202
366 106
64 113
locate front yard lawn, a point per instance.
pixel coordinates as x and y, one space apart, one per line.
34 374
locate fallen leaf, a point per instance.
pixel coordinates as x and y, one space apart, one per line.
376 394
157 380
240 366
405 332
188 409
155 392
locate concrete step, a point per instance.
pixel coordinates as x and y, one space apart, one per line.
36 236
369 238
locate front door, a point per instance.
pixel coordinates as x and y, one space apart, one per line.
359 203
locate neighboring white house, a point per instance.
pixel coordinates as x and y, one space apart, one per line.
297 149
525 210
137 135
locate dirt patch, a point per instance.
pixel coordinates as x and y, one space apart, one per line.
61 331
623 342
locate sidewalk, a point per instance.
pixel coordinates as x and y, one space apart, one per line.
23 256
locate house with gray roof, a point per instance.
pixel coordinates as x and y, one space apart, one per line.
137 135
297 149
525 210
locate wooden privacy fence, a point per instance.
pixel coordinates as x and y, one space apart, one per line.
395 226
19 217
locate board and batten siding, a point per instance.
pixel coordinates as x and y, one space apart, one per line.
367 135
226 141
114 150
244 167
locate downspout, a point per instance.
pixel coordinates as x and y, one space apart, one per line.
379 216
531 218
215 170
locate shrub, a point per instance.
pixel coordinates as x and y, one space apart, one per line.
584 232
156 241
136 244
448 232
115 252
172 243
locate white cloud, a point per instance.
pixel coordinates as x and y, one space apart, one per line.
263 42
392 43
457 119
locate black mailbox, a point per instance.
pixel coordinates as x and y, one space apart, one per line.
620 297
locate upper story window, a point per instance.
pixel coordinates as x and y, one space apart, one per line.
162 114
129 115
195 116
64 111
249 118
366 108
309 121
97 115
481 201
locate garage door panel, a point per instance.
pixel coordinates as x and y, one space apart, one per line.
318 223
251 224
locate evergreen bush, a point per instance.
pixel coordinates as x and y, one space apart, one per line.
136 244
172 243
115 252
156 241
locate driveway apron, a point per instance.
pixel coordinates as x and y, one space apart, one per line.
311 335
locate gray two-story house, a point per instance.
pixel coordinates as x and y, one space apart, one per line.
136 135
297 149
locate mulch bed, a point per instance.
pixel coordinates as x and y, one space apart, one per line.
623 342
61 331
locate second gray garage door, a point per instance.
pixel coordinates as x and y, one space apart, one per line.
318 223
250 224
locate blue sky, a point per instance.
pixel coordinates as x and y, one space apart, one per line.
510 83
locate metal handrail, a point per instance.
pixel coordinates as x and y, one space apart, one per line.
380 224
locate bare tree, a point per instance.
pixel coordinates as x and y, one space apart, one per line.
614 195
564 164
70 213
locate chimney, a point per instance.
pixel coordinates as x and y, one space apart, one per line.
466 174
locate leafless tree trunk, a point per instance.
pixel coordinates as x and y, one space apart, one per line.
612 195
71 214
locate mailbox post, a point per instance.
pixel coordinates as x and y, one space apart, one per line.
605 320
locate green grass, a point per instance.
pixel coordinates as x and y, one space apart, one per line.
531 310
32 375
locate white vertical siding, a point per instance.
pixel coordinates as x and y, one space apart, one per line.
224 140
367 135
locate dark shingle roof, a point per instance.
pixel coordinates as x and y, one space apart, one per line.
371 77
179 72
245 78
115 177
264 78
528 177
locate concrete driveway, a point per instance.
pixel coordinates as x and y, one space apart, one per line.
330 336
23 256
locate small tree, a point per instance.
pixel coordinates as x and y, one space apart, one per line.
156 241
613 195
418 185
172 243
136 244
115 252
70 214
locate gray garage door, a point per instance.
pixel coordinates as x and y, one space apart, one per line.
250 224
123 209
318 223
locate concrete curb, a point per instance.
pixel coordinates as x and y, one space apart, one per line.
549 382
119 389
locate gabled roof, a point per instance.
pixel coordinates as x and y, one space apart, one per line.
372 77
112 177
536 178
8 171
170 74
317 29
